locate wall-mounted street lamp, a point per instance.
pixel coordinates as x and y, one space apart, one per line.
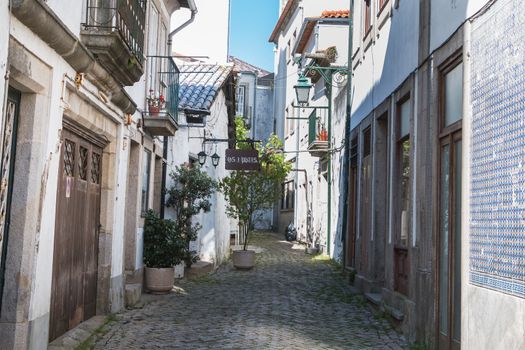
215 158
302 90
202 157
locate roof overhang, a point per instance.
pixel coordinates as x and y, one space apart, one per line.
174 5
283 20
193 111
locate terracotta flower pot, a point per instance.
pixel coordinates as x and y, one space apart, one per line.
153 110
159 281
243 259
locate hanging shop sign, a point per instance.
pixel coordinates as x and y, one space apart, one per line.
237 159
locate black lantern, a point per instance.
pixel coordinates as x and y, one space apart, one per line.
215 159
202 157
302 90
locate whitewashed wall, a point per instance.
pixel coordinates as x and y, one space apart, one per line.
212 243
390 58
50 161
285 79
209 31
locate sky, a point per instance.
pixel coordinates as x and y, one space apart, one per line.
252 22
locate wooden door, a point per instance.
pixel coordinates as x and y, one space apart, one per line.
449 243
351 231
7 167
365 219
74 285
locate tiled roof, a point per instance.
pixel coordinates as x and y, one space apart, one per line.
200 84
243 66
336 14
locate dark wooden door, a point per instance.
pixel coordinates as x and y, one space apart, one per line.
74 287
449 244
7 167
351 231
365 218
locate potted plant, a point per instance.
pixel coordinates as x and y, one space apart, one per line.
250 191
163 249
188 196
156 102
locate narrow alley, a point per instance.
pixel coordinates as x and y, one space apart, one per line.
288 301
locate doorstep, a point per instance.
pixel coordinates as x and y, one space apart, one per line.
76 336
374 298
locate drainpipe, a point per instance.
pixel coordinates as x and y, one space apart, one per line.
346 157
193 9
254 106
329 214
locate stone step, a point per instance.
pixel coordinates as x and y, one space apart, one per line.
133 291
374 298
397 314
199 268
76 336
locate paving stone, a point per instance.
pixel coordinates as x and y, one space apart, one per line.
288 301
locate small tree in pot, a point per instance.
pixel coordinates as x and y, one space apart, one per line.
250 191
189 195
164 248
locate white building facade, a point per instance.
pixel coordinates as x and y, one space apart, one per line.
75 148
430 239
311 193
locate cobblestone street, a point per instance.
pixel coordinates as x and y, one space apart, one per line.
288 301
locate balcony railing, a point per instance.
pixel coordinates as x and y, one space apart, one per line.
318 142
160 114
108 20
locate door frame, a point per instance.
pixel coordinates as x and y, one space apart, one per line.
446 135
15 97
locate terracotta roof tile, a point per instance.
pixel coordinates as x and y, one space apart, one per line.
336 14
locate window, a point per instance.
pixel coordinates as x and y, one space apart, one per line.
146 173
288 195
402 165
453 94
367 17
381 4
240 100
289 50
403 145
153 34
